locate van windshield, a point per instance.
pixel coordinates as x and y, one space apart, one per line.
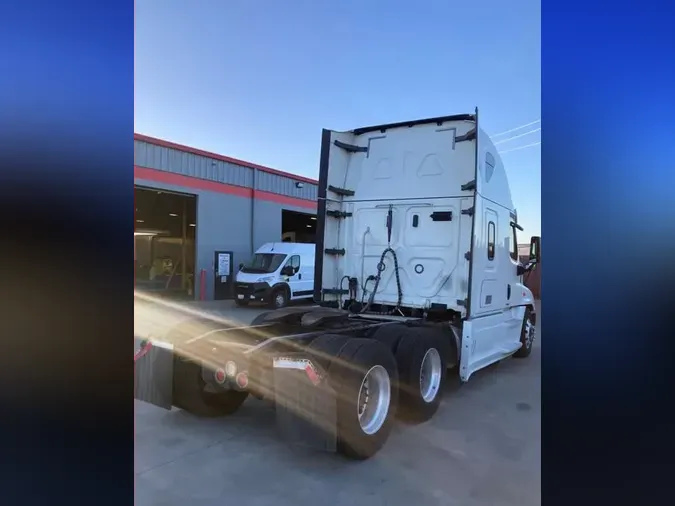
263 263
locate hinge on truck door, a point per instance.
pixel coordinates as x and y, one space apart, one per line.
334 251
468 212
350 147
470 186
341 191
467 255
469 136
338 214
462 302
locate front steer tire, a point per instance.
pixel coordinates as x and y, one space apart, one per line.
528 334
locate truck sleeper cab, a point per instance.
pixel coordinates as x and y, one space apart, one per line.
416 277
277 274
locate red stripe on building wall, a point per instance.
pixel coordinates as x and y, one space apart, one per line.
215 156
284 200
159 176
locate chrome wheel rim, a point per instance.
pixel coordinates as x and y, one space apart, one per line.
374 399
280 300
430 375
530 333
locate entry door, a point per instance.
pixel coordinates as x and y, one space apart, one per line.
493 329
490 259
294 262
223 275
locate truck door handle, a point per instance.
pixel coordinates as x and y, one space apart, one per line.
508 291
299 276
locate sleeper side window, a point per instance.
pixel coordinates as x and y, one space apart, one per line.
489 166
491 241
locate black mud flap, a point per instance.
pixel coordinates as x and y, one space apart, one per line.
153 376
306 405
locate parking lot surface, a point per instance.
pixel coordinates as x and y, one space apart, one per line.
481 448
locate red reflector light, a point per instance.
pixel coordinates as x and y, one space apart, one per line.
242 380
145 347
312 374
220 376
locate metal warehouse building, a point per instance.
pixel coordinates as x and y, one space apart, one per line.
199 215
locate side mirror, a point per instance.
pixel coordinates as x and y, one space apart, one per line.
241 266
287 271
535 249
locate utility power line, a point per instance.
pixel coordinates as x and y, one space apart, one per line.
534 130
520 147
517 128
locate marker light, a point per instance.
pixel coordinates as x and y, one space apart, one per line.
242 380
219 376
231 369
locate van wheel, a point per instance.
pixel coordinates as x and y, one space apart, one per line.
189 395
527 335
364 373
422 362
279 298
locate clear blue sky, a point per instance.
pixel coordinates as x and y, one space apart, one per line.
258 80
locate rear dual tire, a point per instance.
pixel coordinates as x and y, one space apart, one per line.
421 357
364 375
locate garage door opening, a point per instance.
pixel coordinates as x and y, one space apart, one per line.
164 242
298 227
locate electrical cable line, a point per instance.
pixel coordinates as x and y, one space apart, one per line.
534 130
517 128
520 147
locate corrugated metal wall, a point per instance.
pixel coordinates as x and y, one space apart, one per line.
202 167
228 223
224 222
274 183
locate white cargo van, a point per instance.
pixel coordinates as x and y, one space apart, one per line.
279 272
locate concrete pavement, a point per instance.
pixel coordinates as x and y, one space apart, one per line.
482 448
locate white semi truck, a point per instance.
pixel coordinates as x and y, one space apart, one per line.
417 277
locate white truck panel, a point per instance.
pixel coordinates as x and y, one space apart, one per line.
415 171
423 161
